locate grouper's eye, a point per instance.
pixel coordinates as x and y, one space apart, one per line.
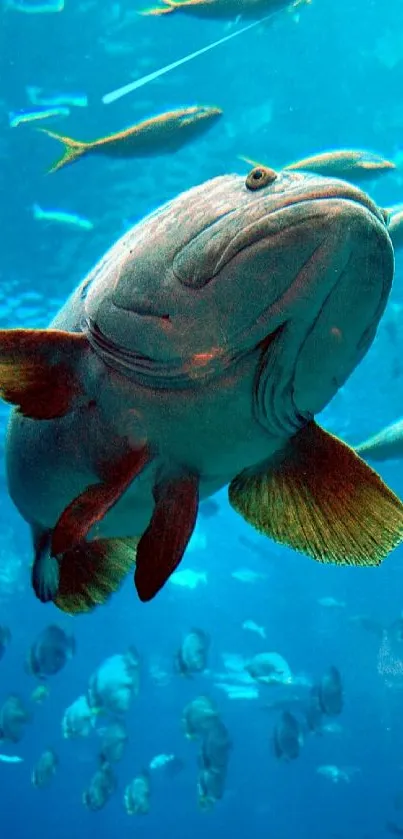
259 177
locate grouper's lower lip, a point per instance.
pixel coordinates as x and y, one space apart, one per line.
158 373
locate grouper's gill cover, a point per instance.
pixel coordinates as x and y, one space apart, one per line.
195 355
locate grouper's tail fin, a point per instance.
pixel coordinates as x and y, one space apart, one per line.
73 149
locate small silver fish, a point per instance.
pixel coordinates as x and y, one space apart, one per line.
61 217
11 759
254 627
36 97
331 603
247 575
26 117
35 8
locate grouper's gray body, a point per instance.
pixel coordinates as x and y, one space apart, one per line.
177 315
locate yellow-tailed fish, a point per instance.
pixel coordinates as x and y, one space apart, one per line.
163 134
224 9
387 444
344 163
395 225
349 164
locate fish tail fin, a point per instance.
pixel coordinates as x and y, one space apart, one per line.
166 9
249 161
73 149
322 500
92 571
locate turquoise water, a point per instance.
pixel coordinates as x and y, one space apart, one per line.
327 75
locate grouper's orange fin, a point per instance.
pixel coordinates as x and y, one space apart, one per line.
73 149
91 572
322 500
163 544
38 370
92 505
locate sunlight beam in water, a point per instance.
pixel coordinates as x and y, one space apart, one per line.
129 88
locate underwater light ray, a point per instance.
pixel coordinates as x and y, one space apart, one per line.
129 88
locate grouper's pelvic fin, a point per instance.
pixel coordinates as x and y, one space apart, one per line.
92 505
90 571
73 149
163 544
38 371
322 500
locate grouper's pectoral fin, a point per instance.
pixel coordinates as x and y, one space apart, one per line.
92 505
163 544
322 500
91 571
38 370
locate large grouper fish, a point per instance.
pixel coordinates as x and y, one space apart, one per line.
196 354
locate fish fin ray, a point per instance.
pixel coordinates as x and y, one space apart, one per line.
249 161
155 11
37 370
322 500
91 506
73 149
163 544
92 571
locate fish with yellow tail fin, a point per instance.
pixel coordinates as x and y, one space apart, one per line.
224 9
395 225
351 164
385 445
194 355
163 134
345 163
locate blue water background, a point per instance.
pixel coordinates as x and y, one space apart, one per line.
287 90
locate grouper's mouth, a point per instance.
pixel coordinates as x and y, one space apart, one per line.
172 374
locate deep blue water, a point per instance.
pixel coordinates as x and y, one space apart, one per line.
334 78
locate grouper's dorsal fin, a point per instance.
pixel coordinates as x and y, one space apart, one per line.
92 505
163 544
322 500
38 370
